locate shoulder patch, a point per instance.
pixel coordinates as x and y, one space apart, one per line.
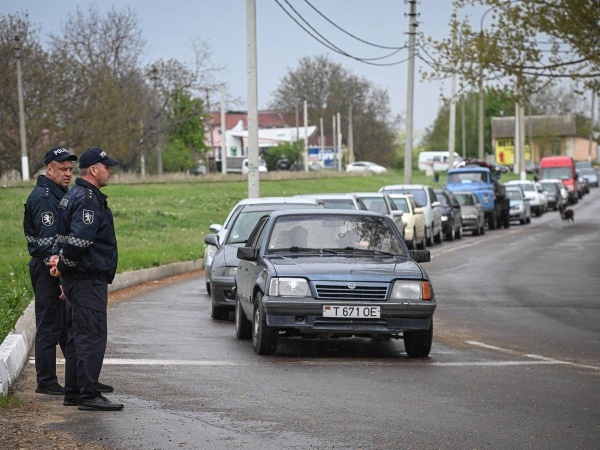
88 216
48 218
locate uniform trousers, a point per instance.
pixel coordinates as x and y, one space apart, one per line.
50 321
87 335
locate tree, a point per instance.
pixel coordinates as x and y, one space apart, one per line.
497 103
290 151
328 89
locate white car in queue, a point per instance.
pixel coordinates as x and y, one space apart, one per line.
413 218
220 271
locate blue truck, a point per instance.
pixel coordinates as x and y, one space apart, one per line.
483 180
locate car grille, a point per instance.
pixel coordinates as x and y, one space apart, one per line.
359 292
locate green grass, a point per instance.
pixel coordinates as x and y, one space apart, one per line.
163 222
9 400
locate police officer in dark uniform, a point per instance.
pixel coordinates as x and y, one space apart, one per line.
85 257
39 225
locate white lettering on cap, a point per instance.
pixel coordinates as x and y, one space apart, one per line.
103 154
60 151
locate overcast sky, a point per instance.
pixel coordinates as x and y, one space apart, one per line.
169 28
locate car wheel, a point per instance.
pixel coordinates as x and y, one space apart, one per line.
208 287
264 338
477 230
450 233
412 244
439 237
421 244
458 234
418 343
522 221
243 327
429 236
482 227
219 312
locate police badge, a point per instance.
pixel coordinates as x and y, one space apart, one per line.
88 216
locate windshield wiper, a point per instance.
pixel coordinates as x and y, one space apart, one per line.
370 251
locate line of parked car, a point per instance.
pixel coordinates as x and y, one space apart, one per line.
346 264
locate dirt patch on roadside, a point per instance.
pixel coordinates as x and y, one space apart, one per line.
26 426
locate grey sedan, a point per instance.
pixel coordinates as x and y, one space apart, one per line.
331 274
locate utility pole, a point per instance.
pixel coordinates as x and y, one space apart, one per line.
322 137
592 120
159 162
212 126
253 177
305 136
24 158
412 30
350 136
223 133
463 128
334 137
339 130
452 125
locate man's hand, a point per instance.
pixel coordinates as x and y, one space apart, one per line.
52 264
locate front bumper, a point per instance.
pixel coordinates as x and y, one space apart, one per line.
306 317
220 291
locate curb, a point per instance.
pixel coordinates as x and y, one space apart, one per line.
17 344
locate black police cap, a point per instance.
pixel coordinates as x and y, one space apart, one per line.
94 156
58 154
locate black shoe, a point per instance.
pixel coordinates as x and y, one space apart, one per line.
104 388
51 389
70 401
99 403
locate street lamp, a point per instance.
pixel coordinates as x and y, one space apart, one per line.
24 158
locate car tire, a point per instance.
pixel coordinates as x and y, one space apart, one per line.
208 288
450 233
418 343
219 312
438 238
421 245
412 244
458 233
243 327
482 228
429 236
264 338
522 221
477 230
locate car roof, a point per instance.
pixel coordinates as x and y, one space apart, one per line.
327 212
403 186
370 194
398 195
274 200
327 196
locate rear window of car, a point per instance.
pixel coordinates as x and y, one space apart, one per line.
465 200
401 204
418 194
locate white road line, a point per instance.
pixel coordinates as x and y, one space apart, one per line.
539 358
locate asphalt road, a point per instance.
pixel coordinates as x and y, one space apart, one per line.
515 362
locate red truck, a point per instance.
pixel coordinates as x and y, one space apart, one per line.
562 167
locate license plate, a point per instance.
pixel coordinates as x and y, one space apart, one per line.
355 312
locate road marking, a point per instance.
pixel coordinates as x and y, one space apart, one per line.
539 358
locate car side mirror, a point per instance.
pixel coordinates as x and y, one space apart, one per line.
247 253
215 228
211 239
435 204
397 214
418 211
420 256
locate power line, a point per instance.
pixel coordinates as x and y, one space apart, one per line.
324 41
348 33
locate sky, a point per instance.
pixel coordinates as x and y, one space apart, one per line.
170 27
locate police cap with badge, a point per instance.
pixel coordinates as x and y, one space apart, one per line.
58 154
94 156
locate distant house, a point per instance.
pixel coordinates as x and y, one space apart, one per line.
273 128
548 135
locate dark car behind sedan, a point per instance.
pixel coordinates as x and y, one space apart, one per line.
451 214
327 273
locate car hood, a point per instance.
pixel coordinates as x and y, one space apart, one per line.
346 267
468 209
467 186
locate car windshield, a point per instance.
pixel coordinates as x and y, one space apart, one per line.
564 173
352 234
588 170
376 204
401 204
466 177
513 194
338 203
418 194
465 200
550 187
247 219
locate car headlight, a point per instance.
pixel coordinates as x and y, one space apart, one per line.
411 290
211 250
288 287
444 218
226 271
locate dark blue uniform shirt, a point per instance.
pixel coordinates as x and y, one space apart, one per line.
41 217
86 240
